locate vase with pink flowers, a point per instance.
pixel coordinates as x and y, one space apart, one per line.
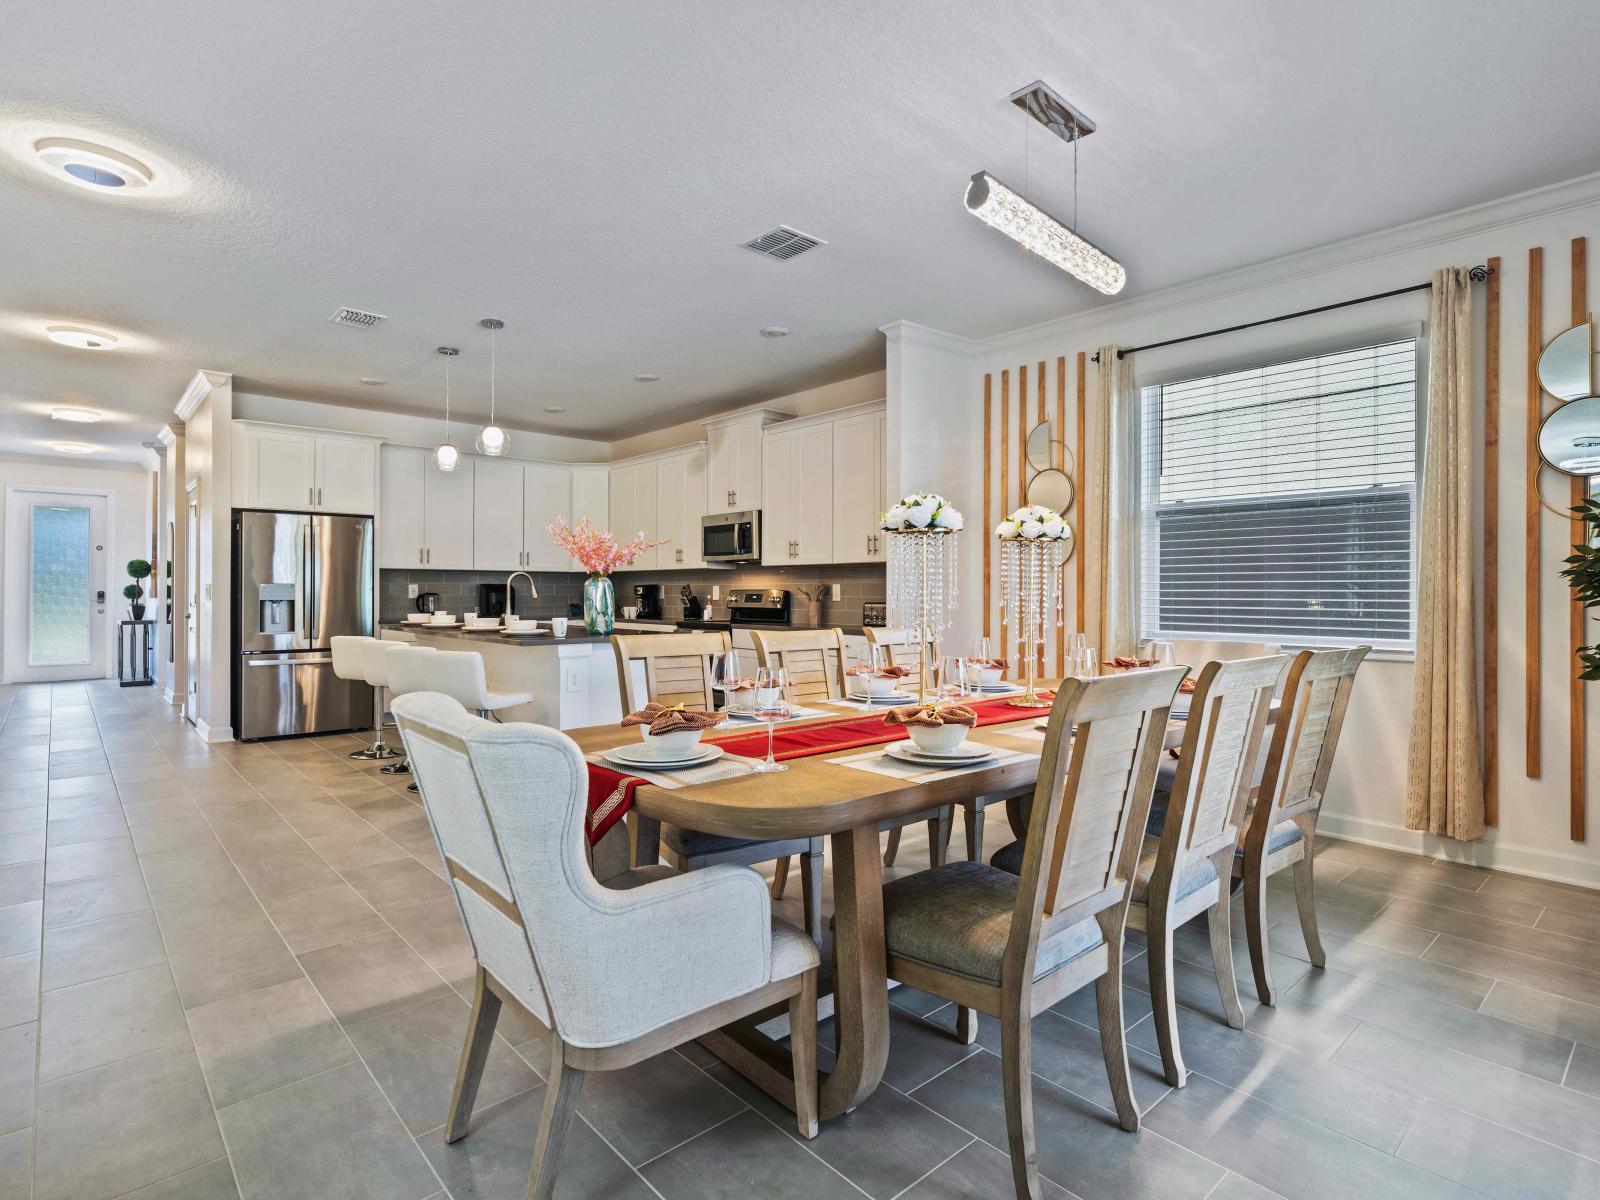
600 554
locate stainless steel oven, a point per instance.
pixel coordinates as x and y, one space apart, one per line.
731 537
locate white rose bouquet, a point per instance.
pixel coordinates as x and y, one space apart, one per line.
1033 523
923 512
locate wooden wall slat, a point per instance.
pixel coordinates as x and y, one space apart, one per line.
1004 650
1491 548
1040 407
1079 577
1061 464
1533 415
1022 461
988 500
1575 620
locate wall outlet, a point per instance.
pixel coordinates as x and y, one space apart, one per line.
716 591
411 591
571 683
837 594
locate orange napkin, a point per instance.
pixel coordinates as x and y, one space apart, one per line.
932 715
673 718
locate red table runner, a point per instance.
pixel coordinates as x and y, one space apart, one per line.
611 792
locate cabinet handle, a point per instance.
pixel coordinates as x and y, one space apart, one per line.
420 558
319 497
311 497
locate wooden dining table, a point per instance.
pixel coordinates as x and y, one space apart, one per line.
816 797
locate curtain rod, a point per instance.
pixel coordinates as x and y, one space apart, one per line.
1477 274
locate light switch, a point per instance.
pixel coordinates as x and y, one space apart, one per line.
716 591
837 594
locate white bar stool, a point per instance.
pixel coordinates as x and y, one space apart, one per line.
404 670
459 675
351 656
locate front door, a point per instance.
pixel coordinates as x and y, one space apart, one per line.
58 539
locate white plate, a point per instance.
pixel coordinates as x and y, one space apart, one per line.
638 759
527 632
908 751
440 624
893 698
996 687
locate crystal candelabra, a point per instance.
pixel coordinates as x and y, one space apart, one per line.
922 588
1031 599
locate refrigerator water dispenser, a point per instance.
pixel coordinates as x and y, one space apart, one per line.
277 607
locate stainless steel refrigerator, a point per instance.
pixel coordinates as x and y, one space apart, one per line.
299 580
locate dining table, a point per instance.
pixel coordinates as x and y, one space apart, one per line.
845 794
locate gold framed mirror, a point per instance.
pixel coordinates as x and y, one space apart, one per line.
1052 488
1566 365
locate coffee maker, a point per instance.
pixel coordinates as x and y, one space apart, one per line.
647 596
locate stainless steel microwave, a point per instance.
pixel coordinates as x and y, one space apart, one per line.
731 537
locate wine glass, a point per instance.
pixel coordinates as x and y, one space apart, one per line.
772 706
1087 665
1161 654
724 671
952 677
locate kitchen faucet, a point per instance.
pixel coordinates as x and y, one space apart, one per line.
511 597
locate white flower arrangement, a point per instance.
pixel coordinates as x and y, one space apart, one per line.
923 512
1033 523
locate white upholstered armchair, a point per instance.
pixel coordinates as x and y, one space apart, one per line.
615 972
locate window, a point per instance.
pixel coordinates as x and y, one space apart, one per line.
1278 501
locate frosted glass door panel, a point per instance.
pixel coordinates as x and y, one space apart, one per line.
59 593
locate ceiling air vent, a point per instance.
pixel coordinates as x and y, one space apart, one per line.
783 243
354 316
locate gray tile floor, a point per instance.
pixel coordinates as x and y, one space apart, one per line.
235 971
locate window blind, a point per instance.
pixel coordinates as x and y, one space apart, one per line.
1278 501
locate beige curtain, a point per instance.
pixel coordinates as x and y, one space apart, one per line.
1113 536
1444 784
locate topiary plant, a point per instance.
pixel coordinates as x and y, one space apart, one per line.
139 569
1583 573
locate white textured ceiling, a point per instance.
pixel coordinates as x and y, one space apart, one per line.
586 172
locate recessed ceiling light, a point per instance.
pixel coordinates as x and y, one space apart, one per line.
552 408
646 377
774 331
73 448
373 381
78 416
80 337
92 166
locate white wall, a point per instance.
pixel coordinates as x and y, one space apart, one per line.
127 488
1366 798
208 465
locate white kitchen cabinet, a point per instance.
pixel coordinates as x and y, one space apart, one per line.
633 504
797 482
279 467
591 496
425 515
447 516
497 525
347 476
858 486
680 503
734 461
546 495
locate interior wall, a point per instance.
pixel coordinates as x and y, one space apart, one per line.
1365 799
208 467
125 486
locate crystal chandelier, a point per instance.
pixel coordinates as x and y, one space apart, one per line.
492 440
447 456
993 203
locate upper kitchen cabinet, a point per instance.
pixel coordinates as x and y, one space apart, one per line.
734 461
591 497
633 506
797 482
281 467
513 503
425 514
546 495
859 455
664 497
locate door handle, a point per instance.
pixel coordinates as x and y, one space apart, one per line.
289 662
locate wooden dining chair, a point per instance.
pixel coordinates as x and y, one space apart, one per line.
1281 829
677 669
1187 870
1012 946
903 648
816 660
614 974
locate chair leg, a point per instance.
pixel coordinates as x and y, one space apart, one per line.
1255 928
1305 900
939 837
894 847
811 890
1016 1071
646 833
1219 919
966 1025
1113 1038
474 1055
803 1048
972 815
780 877
1164 1000
562 1084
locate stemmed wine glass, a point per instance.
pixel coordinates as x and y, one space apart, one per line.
772 706
952 677
724 671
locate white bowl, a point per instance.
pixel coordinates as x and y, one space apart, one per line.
937 739
417 618
741 701
519 623
984 676
878 686
678 744
443 618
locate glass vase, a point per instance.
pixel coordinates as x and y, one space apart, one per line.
599 605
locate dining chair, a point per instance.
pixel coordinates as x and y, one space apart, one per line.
903 648
1011 946
677 669
615 974
1188 868
1281 830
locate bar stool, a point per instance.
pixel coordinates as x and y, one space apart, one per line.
350 658
456 673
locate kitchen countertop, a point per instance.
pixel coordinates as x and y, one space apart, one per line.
575 634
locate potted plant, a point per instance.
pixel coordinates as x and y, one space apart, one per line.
138 569
601 554
1583 573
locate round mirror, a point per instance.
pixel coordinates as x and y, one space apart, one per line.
1564 365
1569 439
1040 446
1053 489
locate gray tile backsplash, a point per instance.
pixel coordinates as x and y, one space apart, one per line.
458 590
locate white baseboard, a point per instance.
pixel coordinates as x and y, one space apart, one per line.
209 734
171 697
1503 856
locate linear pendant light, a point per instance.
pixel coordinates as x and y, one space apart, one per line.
997 206
492 440
446 457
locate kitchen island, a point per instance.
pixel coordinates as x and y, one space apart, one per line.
573 679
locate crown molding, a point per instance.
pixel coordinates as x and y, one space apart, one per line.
168 435
1554 199
911 334
201 386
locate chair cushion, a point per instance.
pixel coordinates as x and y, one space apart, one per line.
626 881
1195 876
1284 833
1008 858
958 918
1165 774
498 700
792 951
692 843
